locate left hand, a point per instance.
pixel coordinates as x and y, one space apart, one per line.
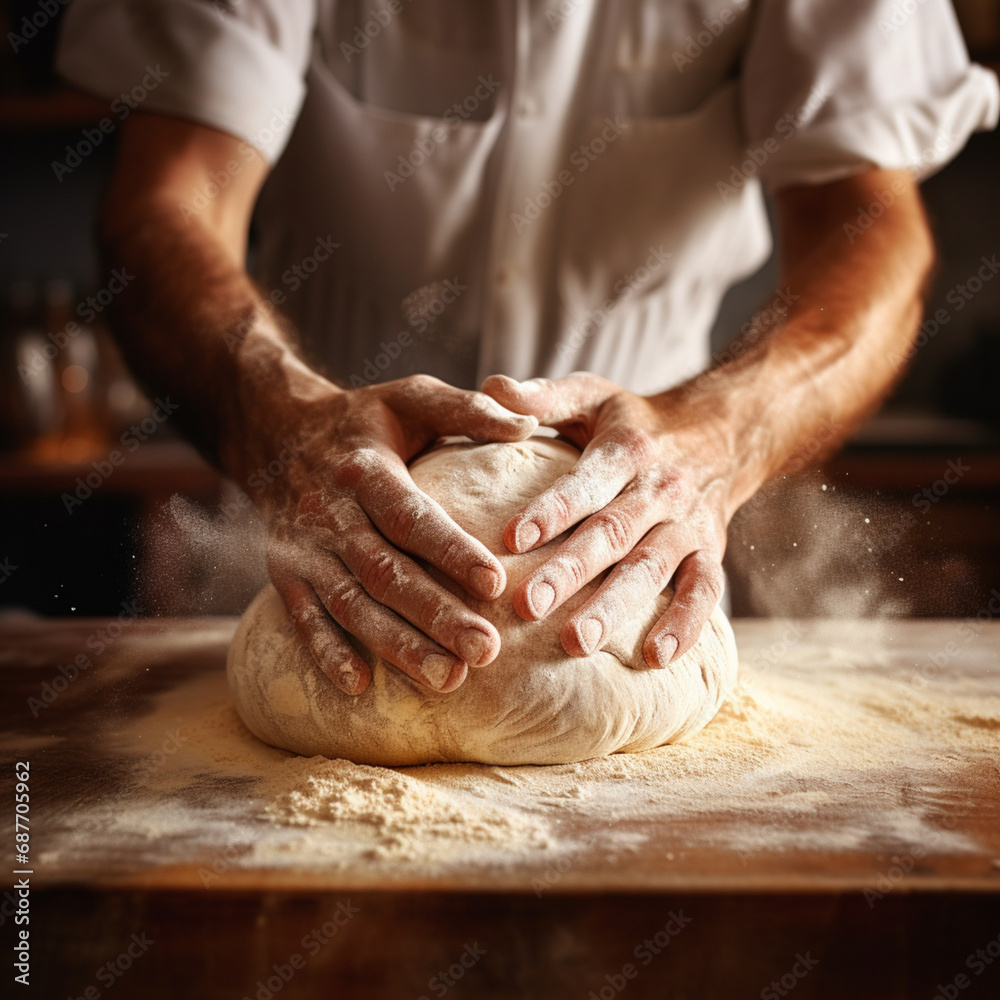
654 492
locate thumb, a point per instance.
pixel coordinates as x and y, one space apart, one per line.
447 410
551 401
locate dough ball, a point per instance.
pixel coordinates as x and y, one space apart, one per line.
534 704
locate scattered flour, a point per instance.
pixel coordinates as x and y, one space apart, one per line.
834 742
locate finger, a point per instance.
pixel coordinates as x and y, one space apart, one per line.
602 540
329 647
386 634
698 586
600 474
445 409
551 401
395 580
632 584
411 520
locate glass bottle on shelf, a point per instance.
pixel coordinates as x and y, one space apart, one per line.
31 408
85 419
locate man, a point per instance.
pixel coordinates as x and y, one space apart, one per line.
506 194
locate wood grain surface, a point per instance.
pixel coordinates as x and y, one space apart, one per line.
750 916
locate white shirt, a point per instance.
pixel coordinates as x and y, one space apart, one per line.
533 187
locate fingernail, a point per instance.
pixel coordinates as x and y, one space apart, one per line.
666 646
529 386
437 668
540 597
590 632
473 646
526 535
484 581
348 678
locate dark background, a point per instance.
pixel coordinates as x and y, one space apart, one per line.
153 533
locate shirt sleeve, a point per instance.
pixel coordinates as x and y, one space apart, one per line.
831 87
235 65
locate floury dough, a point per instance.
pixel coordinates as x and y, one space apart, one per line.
534 704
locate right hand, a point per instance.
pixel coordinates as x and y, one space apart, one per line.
344 514
345 519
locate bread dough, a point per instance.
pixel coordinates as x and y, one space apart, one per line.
533 704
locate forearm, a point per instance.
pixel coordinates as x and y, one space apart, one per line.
793 388
193 325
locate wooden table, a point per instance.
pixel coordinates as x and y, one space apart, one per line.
732 921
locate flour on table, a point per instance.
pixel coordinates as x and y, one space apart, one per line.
831 743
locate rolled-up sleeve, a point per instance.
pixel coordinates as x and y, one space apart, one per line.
238 67
831 87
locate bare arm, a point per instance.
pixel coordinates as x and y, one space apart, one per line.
192 323
661 476
802 386
345 519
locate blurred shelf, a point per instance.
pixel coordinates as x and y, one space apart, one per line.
152 469
58 110
923 430
909 450
911 471
896 452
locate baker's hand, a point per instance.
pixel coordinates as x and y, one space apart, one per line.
345 520
652 492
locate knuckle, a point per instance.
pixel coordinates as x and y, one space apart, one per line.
434 615
653 564
561 506
327 646
617 530
402 520
308 505
635 442
304 617
452 554
356 464
711 584
342 599
574 569
585 378
543 388
477 404
557 508
484 408
423 383
340 520
476 397
377 572
667 486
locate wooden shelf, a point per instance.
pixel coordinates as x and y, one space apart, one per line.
151 470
